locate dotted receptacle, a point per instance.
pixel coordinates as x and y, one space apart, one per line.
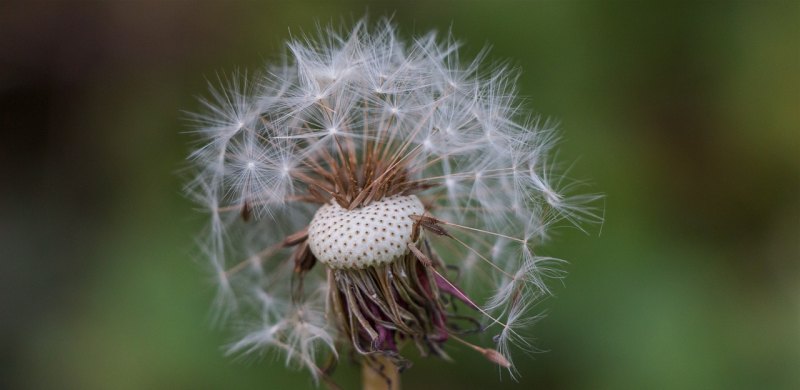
364 237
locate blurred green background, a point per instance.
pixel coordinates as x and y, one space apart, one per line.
685 115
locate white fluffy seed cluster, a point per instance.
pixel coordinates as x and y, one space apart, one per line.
477 156
363 237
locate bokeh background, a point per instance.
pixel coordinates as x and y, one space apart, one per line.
685 115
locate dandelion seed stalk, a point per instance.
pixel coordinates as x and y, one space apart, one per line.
379 373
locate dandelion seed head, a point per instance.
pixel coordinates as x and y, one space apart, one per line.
354 187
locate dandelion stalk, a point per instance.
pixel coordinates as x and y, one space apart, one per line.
357 187
379 373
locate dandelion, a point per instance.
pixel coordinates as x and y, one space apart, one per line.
359 189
